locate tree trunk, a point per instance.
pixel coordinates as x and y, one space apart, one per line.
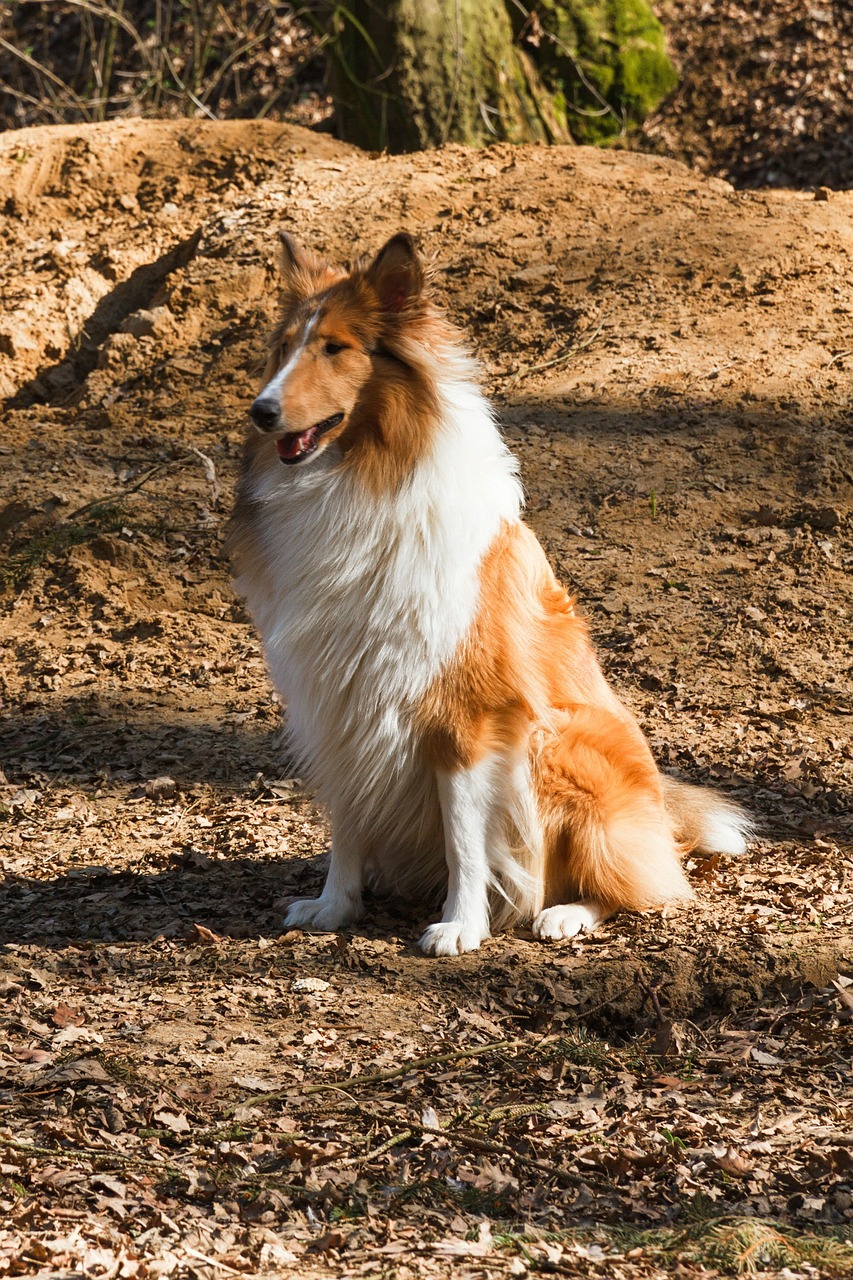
412 74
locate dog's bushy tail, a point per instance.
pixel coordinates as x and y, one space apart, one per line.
704 820
609 836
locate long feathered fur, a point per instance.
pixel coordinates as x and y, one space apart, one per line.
442 693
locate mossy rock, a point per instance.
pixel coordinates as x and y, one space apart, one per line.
605 59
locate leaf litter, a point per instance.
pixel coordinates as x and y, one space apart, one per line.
186 1090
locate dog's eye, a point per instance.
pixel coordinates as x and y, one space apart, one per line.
332 348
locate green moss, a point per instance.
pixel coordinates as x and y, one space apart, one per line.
609 61
412 74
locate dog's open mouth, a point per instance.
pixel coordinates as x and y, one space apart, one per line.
298 445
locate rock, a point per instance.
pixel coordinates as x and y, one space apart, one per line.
531 276
162 788
823 518
787 600
115 349
147 324
309 986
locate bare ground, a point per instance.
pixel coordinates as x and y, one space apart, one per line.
671 361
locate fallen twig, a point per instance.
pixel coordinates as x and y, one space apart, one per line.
123 493
210 1262
483 1146
415 1064
364 1156
573 349
209 470
89 1153
393 1073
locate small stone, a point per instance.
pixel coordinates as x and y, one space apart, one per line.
309 986
823 193
787 600
147 324
531 276
163 788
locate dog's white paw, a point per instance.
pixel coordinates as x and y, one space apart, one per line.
555 923
451 938
320 915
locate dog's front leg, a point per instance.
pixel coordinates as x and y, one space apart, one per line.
340 902
466 798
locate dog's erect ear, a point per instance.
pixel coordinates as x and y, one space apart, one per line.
292 256
396 273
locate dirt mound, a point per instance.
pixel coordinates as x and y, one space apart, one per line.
763 96
671 362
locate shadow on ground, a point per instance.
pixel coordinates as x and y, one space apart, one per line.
238 906
127 743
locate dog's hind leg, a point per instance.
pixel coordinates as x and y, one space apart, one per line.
570 919
467 800
340 902
609 839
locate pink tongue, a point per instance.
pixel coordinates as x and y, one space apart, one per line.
292 446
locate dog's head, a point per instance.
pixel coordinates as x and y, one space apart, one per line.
338 369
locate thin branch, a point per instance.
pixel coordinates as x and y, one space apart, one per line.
89 1153
432 1060
364 1156
45 71
123 493
393 1073
574 349
483 1146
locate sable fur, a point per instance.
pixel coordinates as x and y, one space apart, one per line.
443 696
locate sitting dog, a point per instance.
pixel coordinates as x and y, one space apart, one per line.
443 698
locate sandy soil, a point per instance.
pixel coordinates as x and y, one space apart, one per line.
671 361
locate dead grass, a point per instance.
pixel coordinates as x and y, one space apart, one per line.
87 60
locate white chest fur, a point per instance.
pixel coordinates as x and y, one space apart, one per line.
361 600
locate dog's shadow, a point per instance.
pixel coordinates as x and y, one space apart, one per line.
243 898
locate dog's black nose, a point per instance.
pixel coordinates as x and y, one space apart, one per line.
265 414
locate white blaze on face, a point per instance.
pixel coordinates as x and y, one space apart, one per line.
275 386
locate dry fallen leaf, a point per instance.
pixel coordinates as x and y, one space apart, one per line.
732 1163
199 934
64 1016
844 994
174 1120
81 1070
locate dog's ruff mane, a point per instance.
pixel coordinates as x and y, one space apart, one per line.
442 697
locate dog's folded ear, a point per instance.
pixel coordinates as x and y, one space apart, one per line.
396 273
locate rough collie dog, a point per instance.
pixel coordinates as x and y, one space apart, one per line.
442 695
